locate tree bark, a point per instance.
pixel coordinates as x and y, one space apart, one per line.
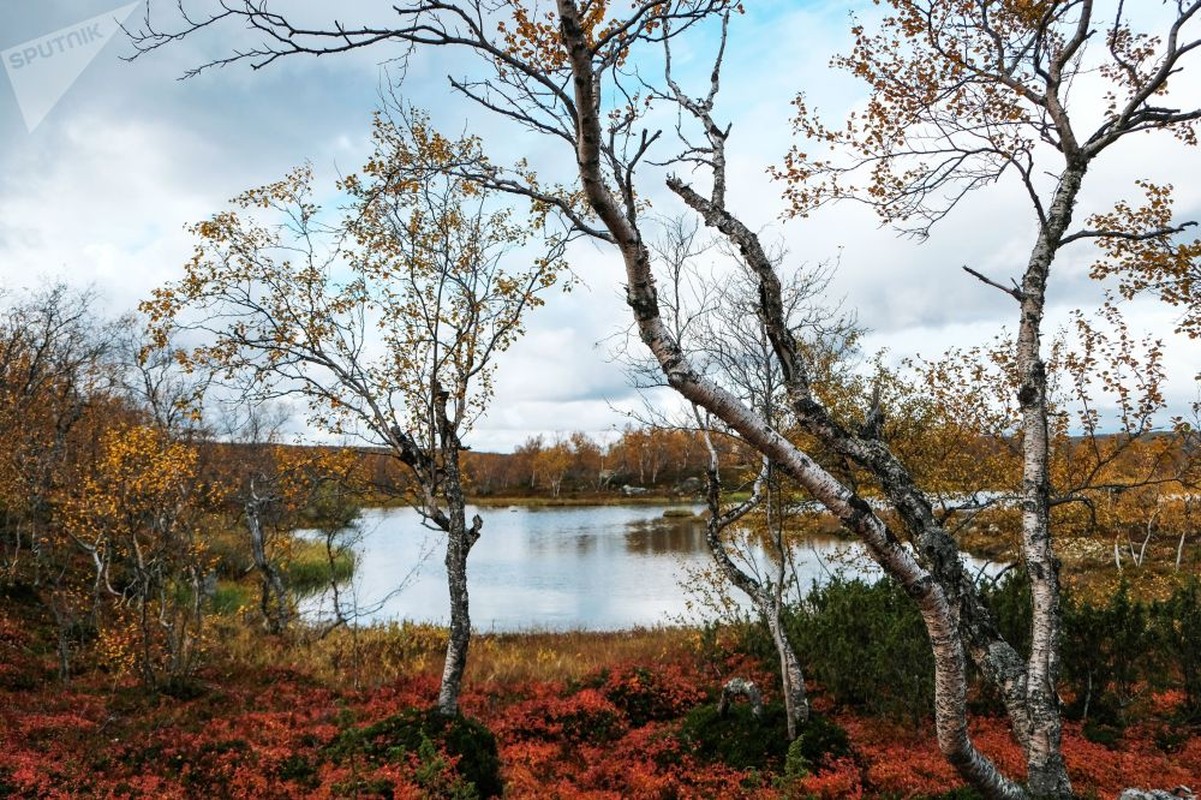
1046 771
274 598
792 679
460 539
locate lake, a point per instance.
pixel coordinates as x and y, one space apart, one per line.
558 568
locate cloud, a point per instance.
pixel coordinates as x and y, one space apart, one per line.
100 192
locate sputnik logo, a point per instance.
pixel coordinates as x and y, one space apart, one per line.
42 70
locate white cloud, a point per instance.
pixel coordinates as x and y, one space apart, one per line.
101 191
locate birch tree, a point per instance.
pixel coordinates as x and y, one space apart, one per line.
141 511
984 80
386 323
964 94
256 495
713 315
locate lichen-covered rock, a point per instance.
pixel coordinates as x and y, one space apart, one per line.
1179 793
740 687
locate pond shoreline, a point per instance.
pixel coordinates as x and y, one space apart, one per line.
556 568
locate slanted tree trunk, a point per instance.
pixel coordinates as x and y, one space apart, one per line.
937 606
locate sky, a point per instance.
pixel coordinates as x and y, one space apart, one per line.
104 161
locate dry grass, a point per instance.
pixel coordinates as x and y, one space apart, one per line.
368 657
549 656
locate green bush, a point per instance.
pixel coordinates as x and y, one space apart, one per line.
1010 602
1177 623
1101 733
818 742
737 739
419 730
300 770
1113 653
866 645
1107 652
743 741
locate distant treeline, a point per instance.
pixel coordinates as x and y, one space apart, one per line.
655 460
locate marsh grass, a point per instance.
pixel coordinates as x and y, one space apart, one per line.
230 597
309 569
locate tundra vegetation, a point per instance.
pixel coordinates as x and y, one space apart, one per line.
385 319
144 652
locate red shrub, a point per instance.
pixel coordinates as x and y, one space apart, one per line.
647 695
839 781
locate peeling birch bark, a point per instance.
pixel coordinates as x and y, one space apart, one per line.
932 601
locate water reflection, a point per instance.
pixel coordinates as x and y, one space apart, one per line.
597 568
666 535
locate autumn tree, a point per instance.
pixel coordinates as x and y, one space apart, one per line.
155 381
963 94
1166 266
59 387
315 488
56 357
588 459
141 512
1112 463
552 463
386 322
525 457
102 494
255 491
982 84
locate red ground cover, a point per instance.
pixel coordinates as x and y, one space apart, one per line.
270 734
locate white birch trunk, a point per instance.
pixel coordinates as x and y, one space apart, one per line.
1046 771
460 538
768 604
939 616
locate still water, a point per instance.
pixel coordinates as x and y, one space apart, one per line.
589 568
